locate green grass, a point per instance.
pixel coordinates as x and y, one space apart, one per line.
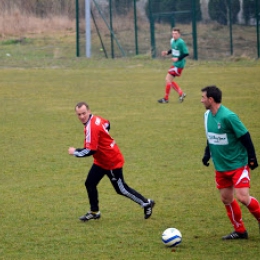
42 187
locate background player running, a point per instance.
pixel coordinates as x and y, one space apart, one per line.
178 51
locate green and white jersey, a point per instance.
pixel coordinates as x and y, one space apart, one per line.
179 48
223 131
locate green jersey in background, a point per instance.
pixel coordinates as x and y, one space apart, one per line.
179 48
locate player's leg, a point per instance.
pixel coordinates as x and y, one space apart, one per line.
176 87
232 208
176 72
242 180
168 85
95 174
254 208
117 180
171 83
224 183
234 213
93 178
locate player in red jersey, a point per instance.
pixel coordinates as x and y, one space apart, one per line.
108 160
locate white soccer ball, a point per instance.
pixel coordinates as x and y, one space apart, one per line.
171 237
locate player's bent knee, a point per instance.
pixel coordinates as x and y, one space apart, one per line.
243 200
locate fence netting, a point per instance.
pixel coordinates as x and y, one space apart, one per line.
212 29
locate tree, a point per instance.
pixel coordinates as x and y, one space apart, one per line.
182 5
219 10
249 8
158 7
122 7
161 8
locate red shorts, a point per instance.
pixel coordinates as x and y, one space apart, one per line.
174 71
238 178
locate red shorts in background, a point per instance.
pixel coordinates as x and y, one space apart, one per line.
174 71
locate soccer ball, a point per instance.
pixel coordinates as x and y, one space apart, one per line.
171 237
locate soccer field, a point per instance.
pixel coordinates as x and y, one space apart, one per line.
42 187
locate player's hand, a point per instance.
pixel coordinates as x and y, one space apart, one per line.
205 160
252 163
175 59
164 53
107 126
71 150
206 157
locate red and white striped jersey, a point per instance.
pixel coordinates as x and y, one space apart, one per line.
97 138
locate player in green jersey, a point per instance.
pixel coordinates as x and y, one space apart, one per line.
230 146
178 51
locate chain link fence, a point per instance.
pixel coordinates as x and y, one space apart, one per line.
213 29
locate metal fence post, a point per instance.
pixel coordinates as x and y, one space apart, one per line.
111 27
194 29
77 28
153 48
136 30
257 14
230 26
88 28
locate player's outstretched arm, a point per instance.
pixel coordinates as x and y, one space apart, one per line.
80 152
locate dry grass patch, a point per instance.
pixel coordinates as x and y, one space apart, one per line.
21 25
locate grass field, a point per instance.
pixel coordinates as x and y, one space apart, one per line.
42 187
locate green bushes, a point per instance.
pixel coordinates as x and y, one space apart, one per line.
219 10
249 8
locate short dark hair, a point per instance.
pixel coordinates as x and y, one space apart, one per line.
214 92
176 30
82 103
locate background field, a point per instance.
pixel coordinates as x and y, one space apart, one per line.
42 187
